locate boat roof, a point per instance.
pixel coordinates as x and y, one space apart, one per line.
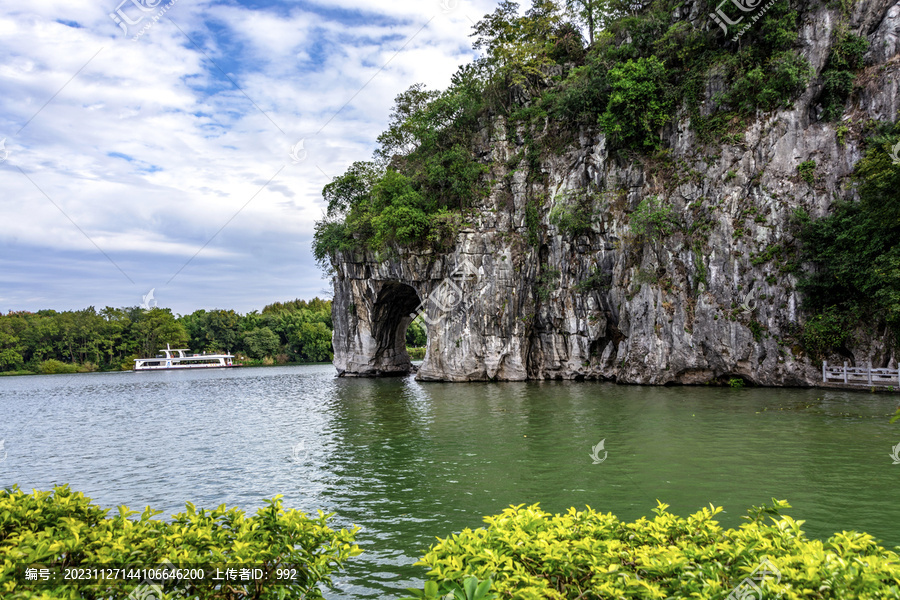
198 356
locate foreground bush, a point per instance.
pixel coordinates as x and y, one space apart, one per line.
529 553
61 530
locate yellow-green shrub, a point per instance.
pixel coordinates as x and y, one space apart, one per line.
55 367
531 554
62 529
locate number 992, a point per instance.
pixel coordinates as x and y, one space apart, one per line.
285 573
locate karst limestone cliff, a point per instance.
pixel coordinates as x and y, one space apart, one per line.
518 297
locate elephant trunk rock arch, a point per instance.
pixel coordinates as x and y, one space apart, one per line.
370 335
470 338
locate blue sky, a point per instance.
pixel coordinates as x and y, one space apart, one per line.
158 156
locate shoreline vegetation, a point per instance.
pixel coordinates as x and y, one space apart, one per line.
523 552
48 342
60 368
526 552
98 555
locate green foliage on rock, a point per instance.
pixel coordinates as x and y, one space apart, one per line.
807 171
426 168
855 258
533 222
840 72
766 72
532 554
736 383
653 219
640 104
599 280
598 14
827 330
538 82
63 529
572 218
547 283
771 84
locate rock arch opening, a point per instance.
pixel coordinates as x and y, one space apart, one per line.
394 309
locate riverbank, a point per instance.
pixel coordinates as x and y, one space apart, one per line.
417 354
874 389
73 369
55 367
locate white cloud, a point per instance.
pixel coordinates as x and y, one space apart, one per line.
150 150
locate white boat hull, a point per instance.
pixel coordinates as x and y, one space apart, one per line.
173 367
176 358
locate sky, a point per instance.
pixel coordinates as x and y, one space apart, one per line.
181 146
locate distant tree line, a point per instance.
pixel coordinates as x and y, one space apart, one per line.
49 341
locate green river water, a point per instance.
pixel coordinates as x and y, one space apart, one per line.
409 461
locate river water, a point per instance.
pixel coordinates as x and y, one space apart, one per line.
409 461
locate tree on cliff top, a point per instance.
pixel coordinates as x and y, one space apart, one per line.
597 15
648 65
518 47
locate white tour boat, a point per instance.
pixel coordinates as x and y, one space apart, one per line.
180 358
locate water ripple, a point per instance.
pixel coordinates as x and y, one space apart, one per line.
409 461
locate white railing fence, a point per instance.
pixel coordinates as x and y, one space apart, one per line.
859 375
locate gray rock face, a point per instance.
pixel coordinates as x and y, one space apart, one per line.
709 301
